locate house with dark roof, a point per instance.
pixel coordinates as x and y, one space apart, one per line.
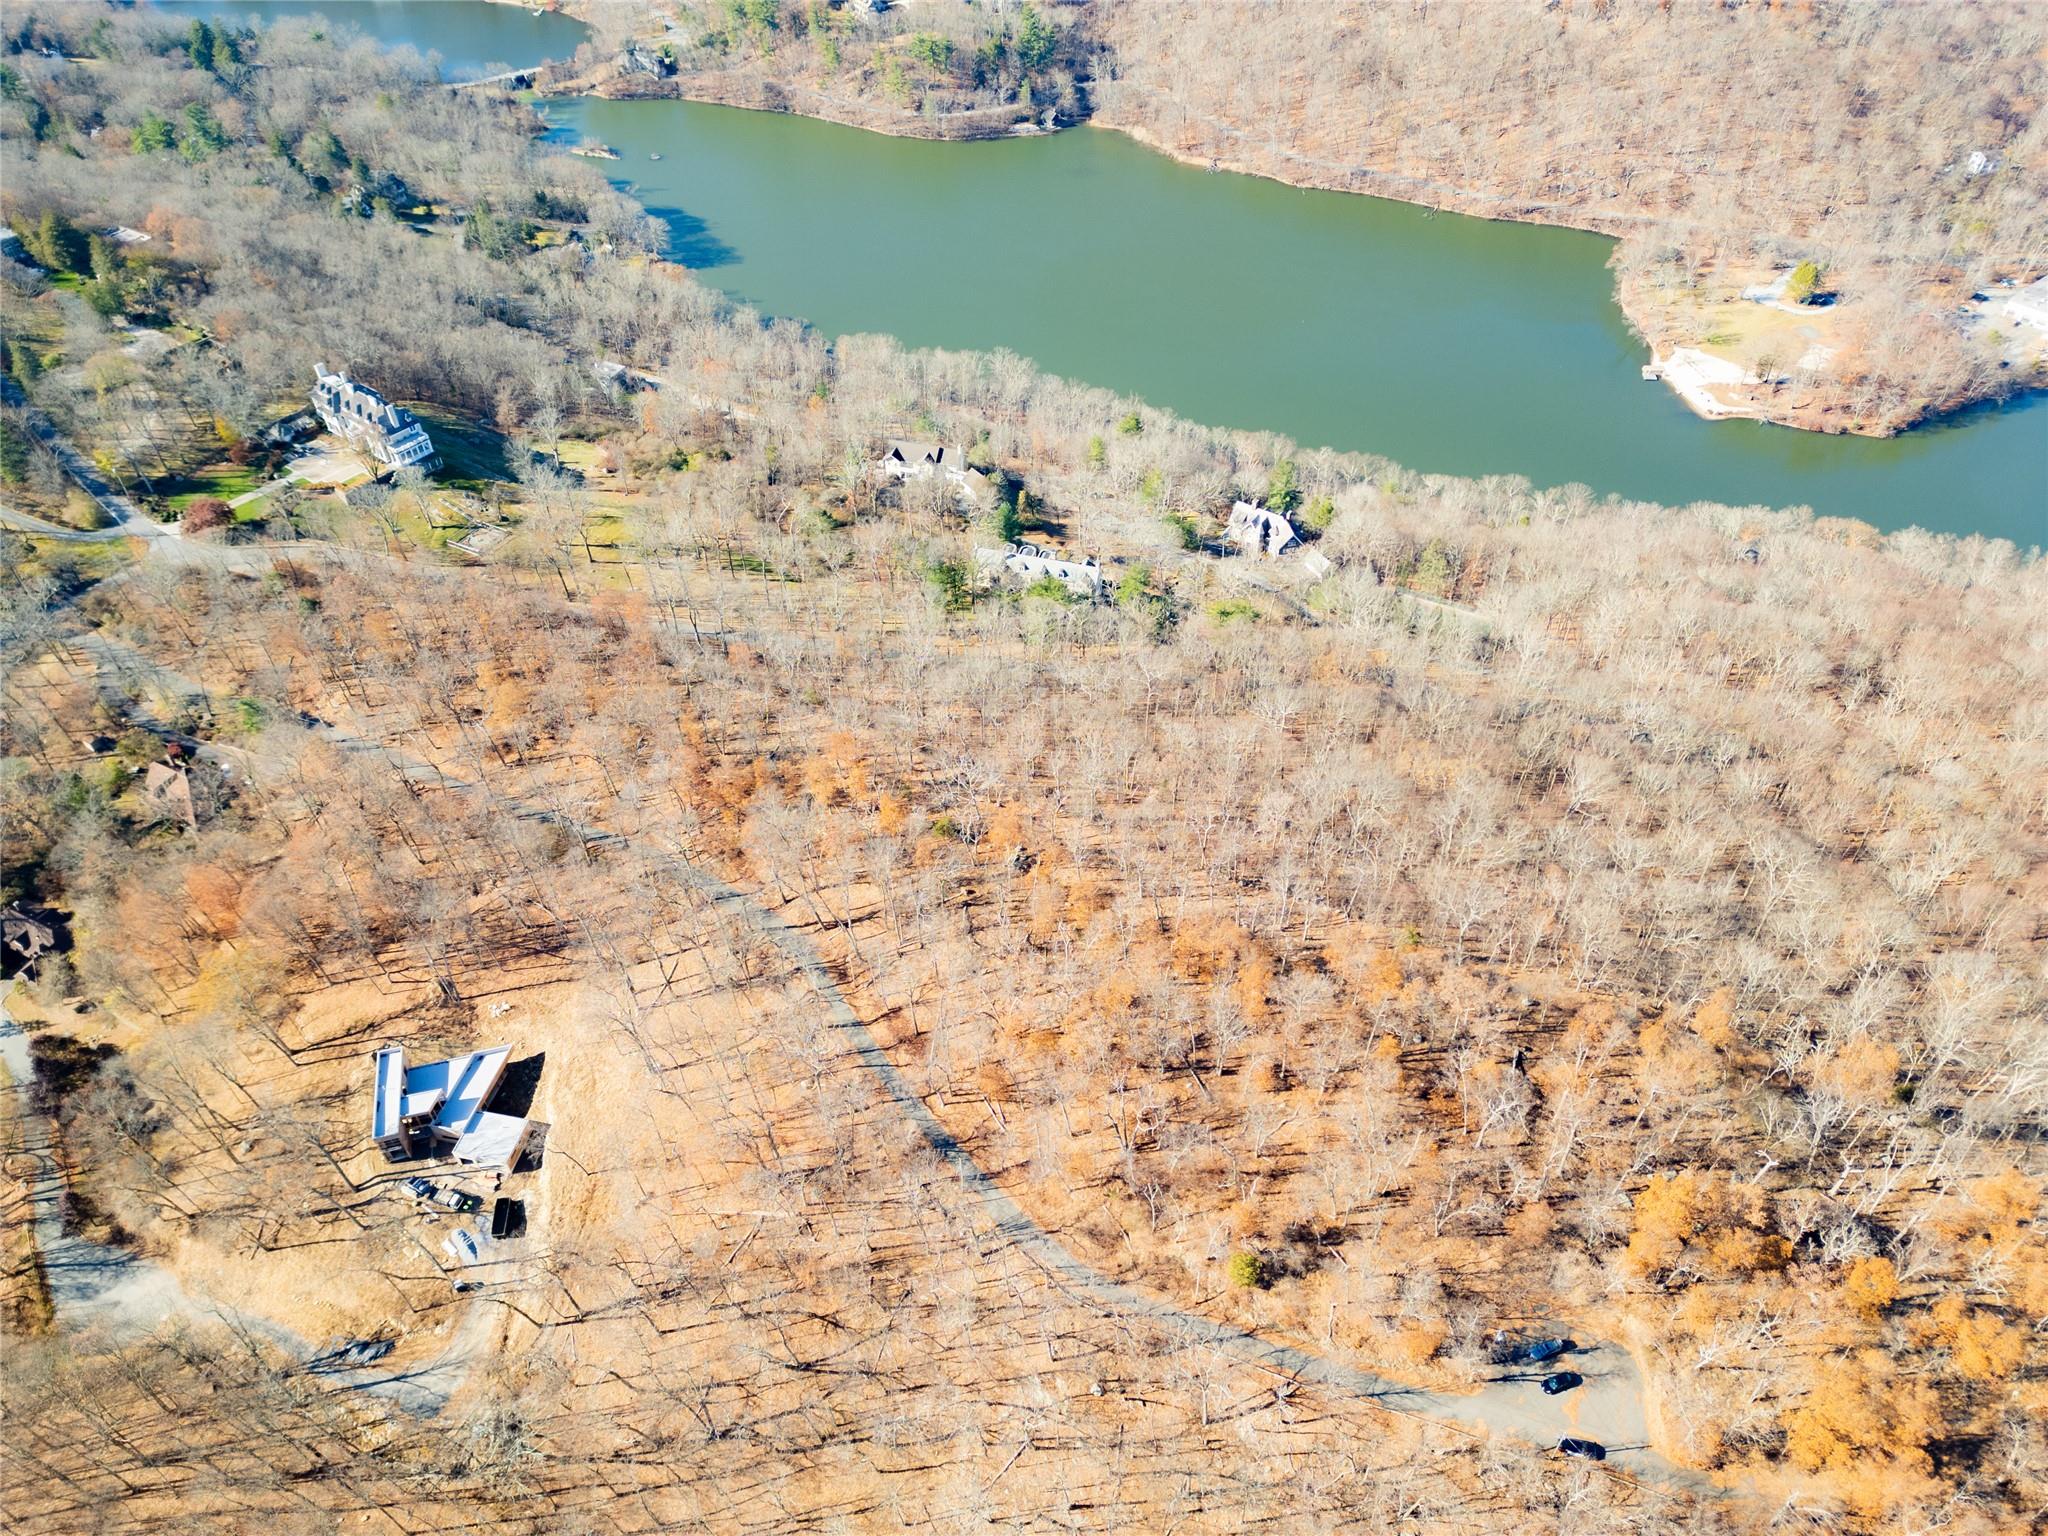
27 934
390 434
904 459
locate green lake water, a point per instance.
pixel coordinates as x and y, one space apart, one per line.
473 38
1448 344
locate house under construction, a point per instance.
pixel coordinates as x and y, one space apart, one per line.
440 1107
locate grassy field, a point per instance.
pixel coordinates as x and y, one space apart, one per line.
472 455
429 521
92 562
224 480
1757 337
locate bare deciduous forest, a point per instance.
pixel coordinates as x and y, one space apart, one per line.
1703 134
992 1040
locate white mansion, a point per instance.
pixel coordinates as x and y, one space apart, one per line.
389 433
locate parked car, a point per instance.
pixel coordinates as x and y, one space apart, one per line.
1563 1381
1545 1349
418 1188
458 1202
1585 1450
508 1218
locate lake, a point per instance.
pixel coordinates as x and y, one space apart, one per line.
1448 344
473 38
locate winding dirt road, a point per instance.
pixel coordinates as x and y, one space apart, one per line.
1608 1409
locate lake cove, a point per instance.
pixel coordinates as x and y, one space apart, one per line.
1450 345
473 37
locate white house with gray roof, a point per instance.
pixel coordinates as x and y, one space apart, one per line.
1258 530
438 1107
904 459
1028 562
390 434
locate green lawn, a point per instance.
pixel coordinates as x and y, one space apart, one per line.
472 455
227 481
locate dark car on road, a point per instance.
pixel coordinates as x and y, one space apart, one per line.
1563 1381
1545 1349
1585 1450
419 1189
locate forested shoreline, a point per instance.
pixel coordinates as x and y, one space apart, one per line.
1705 139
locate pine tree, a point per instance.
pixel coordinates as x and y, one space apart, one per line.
154 133
57 244
13 453
1281 493
199 42
1035 40
24 365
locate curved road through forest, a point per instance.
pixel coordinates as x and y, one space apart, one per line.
1609 1408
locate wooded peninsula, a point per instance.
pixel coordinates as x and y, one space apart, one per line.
1823 210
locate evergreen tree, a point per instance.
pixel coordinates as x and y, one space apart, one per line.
13 453
154 133
320 150
497 236
106 262
26 367
203 135
1281 494
199 42
1035 40
1007 521
56 243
